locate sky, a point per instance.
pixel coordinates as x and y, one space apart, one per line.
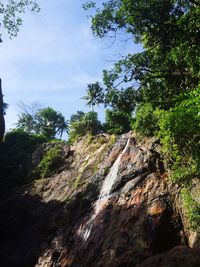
53 58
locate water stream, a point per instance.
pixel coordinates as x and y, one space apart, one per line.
104 194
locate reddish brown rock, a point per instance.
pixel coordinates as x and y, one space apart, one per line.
58 222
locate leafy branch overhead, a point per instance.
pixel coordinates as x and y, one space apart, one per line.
169 64
11 14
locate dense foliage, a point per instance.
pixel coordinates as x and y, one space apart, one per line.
82 124
160 81
116 122
192 209
169 63
179 132
145 121
51 161
46 121
159 85
16 156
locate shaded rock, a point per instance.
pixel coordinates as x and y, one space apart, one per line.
43 148
177 257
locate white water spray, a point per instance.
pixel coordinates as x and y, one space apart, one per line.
108 183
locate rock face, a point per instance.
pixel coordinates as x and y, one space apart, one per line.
112 206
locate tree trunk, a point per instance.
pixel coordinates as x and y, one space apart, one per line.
2 121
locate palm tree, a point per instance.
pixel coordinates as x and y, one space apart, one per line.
52 122
46 121
94 95
62 126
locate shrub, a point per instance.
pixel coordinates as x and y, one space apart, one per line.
179 132
52 160
145 121
191 208
15 155
117 122
82 124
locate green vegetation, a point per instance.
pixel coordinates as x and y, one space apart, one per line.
145 121
191 208
159 85
117 122
179 132
15 155
52 160
155 92
169 62
157 89
11 14
17 166
82 124
46 121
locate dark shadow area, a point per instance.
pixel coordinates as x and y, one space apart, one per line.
28 225
123 237
166 233
177 257
16 160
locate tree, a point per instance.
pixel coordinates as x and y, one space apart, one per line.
82 124
94 94
117 122
169 63
77 117
28 118
50 123
16 158
46 121
163 80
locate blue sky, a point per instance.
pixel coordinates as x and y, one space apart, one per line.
53 58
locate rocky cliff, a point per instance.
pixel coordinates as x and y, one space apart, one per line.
111 204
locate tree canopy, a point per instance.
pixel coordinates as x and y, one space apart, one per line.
83 123
169 63
159 86
46 121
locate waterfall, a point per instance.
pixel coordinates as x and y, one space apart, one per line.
104 194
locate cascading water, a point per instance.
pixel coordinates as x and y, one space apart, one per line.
104 194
